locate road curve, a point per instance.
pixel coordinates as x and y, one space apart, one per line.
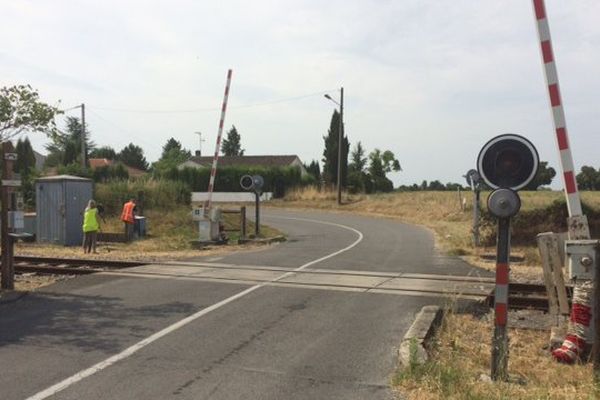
267 343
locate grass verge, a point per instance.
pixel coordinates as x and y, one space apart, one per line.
169 238
460 356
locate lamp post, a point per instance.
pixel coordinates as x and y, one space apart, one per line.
340 136
200 140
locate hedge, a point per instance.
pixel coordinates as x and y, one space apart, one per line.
277 180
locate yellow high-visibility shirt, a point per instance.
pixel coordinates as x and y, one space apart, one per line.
90 220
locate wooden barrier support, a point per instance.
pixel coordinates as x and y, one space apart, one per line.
552 264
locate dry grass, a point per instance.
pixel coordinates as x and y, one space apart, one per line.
29 282
169 238
461 355
439 211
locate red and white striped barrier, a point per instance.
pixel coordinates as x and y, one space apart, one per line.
213 171
558 112
578 332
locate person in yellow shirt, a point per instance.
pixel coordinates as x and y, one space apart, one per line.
90 227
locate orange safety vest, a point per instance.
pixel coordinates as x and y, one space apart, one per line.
127 214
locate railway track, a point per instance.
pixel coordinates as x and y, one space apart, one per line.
69 266
521 295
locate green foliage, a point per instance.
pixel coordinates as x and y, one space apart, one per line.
436 186
158 194
381 163
25 157
173 154
104 152
133 156
65 148
528 223
110 172
277 180
433 185
330 153
25 166
231 145
74 169
173 147
358 159
21 110
314 170
588 178
543 176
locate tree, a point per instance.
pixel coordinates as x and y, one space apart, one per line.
65 148
358 179
25 166
174 149
232 146
381 163
133 156
543 176
173 154
104 152
314 169
25 162
358 159
21 110
588 178
330 153
436 185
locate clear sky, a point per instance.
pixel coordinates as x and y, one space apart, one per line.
430 80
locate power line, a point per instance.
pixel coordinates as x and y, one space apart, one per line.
126 131
193 110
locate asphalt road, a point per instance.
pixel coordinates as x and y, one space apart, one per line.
139 337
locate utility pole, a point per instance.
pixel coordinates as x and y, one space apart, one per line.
83 153
8 272
340 137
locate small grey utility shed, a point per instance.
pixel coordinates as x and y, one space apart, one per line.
60 203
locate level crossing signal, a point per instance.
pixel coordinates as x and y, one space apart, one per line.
506 164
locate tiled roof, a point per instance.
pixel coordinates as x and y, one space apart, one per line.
104 162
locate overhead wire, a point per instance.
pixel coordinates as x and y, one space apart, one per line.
193 110
126 131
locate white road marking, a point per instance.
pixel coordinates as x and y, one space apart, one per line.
60 386
214 259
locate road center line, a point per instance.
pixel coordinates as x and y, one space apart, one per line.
62 385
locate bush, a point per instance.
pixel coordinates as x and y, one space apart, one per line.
158 194
527 224
110 172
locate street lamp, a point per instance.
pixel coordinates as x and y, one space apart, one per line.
200 140
340 136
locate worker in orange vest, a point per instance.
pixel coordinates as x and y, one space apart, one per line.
127 216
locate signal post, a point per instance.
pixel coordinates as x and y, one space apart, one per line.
506 164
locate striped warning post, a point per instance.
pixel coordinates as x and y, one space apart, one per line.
578 332
501 294
213 171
